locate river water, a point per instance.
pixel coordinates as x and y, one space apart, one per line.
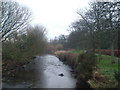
44 72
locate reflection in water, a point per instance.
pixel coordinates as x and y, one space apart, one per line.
43 72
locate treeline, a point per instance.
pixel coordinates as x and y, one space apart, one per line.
97 28
58 43
20 40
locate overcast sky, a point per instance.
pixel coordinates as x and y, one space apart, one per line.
55 15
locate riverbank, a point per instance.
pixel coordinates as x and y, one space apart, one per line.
9 68
72 59
103 73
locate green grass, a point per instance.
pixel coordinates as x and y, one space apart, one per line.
106 68
78 51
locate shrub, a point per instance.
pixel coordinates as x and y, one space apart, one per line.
22 47
86 64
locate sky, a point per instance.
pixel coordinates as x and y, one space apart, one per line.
55 15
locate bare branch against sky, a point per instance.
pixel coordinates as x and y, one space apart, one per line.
55 15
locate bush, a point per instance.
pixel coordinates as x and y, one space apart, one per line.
22 47
86 64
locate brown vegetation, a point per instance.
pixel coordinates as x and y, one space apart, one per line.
82 64
99 77
67 57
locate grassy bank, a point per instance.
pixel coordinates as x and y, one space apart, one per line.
103 75
104 65
107 70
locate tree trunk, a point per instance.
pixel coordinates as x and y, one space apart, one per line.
112 53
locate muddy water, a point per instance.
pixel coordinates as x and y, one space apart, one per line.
44 72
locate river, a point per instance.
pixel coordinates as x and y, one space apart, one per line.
43 72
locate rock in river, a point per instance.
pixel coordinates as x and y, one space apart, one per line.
61 74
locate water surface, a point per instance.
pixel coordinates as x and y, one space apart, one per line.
43 72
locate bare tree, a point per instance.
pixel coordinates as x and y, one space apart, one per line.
13 18
98 26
